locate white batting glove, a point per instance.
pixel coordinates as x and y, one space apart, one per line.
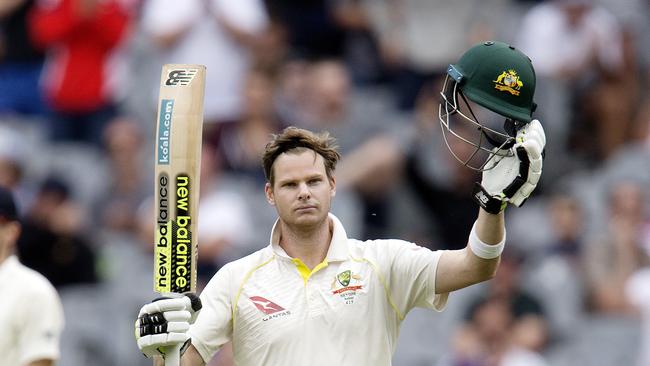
164 323
512 178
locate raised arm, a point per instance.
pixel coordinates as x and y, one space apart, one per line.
511 179
461 268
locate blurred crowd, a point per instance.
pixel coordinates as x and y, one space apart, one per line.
78 89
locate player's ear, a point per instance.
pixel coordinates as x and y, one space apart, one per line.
268 192
332 186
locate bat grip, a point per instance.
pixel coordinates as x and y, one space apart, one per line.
173 356
173 353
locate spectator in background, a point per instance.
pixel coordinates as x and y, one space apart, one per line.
566 220
370 135
487 340
436 178
418 39
52 242
557 273
20 61
641 133
79 37
224 228
240 146
31 315
325 29
127 187
503 327
637 291
529 327
361 46
581 46
220 34
312 28
13 163
618 251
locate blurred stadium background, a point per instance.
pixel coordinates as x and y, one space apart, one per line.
78 89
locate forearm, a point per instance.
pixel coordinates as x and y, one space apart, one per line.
461 268
490 228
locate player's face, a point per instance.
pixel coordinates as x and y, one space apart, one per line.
301 193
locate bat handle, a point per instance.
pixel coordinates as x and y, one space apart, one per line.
173 356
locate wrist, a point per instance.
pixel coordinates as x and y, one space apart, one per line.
482 249
493 204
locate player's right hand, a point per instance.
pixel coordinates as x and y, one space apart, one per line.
164 322
513 177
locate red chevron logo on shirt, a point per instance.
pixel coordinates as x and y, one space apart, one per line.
266 306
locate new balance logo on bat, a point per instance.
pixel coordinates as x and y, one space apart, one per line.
180 77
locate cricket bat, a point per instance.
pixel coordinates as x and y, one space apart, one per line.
177 170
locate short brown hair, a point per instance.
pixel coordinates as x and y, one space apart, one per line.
293 138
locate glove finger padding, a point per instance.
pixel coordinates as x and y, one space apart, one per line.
155 344
182 316
531 141
166 304
165 322
513 177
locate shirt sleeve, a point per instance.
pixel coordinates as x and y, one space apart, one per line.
213 326
412 276
42 324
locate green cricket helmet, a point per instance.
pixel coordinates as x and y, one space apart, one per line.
490 80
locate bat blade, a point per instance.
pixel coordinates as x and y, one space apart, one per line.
177 159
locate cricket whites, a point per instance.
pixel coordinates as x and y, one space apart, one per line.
178 161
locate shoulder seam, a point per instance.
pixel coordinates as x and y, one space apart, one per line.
381 278
241 287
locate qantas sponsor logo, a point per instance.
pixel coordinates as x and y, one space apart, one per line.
269 308
266 306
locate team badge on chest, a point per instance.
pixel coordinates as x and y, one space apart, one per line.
346 284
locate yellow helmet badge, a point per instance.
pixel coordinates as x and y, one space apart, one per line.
508 81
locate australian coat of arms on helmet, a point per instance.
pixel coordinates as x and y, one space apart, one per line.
508 81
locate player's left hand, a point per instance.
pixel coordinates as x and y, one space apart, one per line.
164 322
512 178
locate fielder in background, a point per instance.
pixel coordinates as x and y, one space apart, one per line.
31 314
313 295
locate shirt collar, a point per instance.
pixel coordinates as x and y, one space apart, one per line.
338 250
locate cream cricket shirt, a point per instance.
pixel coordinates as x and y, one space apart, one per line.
346 311
31 315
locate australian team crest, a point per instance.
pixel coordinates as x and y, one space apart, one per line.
344 277
346 281
508 81
345 285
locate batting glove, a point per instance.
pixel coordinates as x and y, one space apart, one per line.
165 322
513 177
